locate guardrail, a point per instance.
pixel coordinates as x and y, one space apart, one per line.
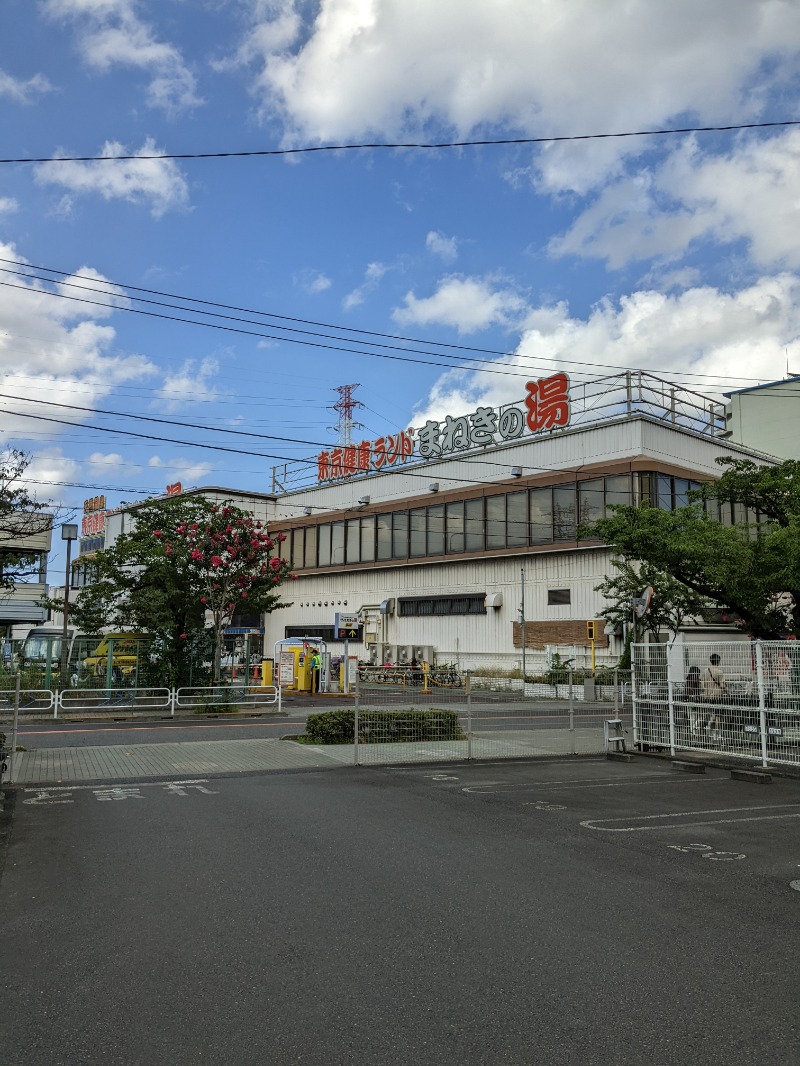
165 702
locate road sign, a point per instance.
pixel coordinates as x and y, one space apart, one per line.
345 626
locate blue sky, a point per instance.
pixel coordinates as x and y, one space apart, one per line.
679 255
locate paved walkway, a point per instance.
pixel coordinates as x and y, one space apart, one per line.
122 762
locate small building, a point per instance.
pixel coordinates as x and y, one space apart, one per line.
29 534
764 417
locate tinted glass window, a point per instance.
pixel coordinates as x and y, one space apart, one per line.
400 535
564 512
353 541
436 530
324 536
416 520
310 549
473 523
517 519
541 505
337 544
455 527
495 522
368 539
384 536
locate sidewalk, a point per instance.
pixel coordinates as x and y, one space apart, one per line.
123 762
126 762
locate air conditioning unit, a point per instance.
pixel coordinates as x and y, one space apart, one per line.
423 653
405 653
374 656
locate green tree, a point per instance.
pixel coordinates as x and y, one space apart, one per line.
752 569
672 605
159 579
20 517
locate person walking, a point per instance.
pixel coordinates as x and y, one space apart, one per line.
316 666
714 689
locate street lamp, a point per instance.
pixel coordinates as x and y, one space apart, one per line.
69 532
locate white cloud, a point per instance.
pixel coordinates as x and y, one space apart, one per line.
8 205
389 67
54 349
191 383
187 471
312 281
101 463
112 34
157 182
22 91
468 304
703 331
372 278
47 474
445 247
748 194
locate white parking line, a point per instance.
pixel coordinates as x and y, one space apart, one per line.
588 782
603 825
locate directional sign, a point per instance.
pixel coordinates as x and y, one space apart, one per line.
345 626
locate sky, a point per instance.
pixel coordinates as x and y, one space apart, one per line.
676 254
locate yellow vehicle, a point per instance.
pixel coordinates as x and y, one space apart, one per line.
120 654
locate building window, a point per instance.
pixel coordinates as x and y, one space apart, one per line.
455 527
368 539
417 545
436 530
558 597
541 505
425 606
495 522
400 535
474 525
310 549
384 537
517 520
564 524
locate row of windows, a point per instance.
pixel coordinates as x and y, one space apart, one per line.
547 515
437 606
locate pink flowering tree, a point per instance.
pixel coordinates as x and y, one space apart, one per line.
229 560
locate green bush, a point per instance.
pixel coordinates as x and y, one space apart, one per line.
376 727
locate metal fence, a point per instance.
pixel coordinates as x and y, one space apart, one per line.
139 702
734 698
483 717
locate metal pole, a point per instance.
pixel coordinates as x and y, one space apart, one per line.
355 734
13 753
64 649
522 629
469 715
671 705
762 710
346 678
571 714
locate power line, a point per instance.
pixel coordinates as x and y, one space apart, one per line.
435 145
451 347
490 367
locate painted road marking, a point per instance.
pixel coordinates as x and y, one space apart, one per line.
63 794
707 852
540 805
603 825
588 782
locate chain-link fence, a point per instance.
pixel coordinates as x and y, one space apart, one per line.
735 698
467 716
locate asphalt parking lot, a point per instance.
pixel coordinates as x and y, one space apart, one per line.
741 829
564 911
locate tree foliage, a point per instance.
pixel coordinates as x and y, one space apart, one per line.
751 569
181 573
21 517
672 605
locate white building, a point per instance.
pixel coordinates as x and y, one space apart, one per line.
430 552
765 418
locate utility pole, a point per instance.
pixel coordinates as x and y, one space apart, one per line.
522 627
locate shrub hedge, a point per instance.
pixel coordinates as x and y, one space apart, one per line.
376 727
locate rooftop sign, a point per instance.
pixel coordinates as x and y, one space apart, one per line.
546 402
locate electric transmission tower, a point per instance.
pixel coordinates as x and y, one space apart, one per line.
344 407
